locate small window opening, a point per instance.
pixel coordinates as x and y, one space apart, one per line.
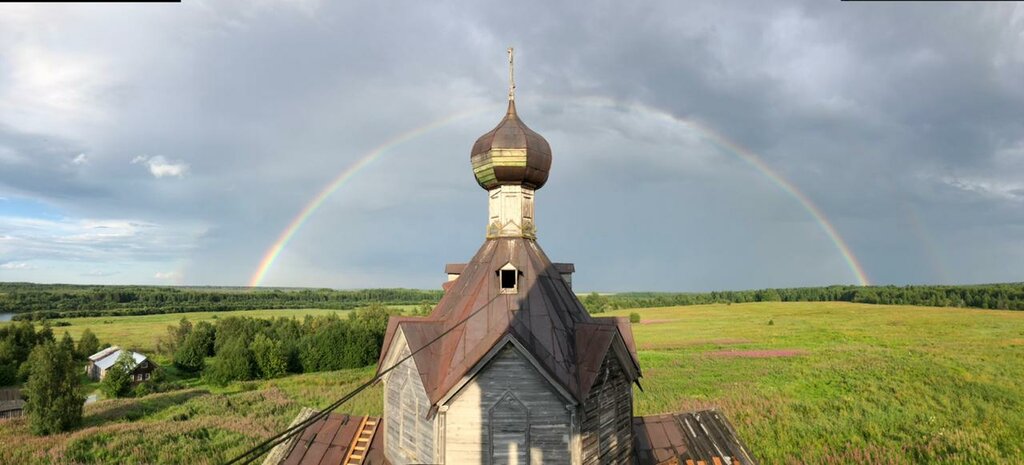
508 279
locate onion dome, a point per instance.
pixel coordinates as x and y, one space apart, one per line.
511 154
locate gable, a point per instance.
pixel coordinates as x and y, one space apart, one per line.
509 360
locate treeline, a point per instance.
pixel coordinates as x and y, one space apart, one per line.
48 301
990 296
244 348
19 339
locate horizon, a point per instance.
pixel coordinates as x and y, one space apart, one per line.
719 147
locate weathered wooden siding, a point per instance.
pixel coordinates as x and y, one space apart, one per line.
607 417
506 392
409 434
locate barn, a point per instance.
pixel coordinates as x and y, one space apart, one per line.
509 368
11 403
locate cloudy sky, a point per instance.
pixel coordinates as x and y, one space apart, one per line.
697 145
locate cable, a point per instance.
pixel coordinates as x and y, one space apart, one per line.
301 426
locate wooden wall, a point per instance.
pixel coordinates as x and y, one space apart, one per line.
409 435
508 407
606 427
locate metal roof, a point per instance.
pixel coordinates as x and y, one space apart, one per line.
335 439
686 438
103 353
110 359
456 268
511 153
543 315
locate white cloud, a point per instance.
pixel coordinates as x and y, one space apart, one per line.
80 159
167 275
99 273
992 188
92 240
160 166
16 266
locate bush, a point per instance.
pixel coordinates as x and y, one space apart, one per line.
142 389
54 404
118 380
634 317
191 355
234 362
271 356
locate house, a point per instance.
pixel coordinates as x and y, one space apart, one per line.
101 361
11 403
509 368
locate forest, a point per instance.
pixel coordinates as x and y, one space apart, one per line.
1009 296
49 301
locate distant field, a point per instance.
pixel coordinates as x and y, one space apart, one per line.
824 383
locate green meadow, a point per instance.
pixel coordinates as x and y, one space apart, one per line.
818 383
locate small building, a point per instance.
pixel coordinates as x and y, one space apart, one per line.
11 403
101 361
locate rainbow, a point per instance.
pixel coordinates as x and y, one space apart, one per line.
286 236
717 138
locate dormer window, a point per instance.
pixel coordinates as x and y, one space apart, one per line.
509 277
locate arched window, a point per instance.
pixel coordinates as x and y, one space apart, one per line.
509 423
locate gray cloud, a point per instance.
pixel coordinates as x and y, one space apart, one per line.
902 123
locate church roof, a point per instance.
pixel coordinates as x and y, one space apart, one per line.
511 153
544 316
703 437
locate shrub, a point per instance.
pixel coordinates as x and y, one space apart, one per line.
118 380
634 317
191 355
142 389
271 356
234 362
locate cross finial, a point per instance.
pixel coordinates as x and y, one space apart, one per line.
511 76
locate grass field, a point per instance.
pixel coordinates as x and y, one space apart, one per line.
818 383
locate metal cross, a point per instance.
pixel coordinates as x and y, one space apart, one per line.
511 76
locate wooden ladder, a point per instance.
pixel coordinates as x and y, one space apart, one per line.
361 442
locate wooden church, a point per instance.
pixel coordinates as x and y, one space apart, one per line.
509 368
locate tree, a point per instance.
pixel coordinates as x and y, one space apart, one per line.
68 344
595 303
54 403
88 344
190 356
234 362
118 380
271 356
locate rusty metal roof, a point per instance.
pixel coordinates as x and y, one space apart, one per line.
594 339
456 268
544 316
335 440
498 157
688 438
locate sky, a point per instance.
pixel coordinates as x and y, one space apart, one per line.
697 145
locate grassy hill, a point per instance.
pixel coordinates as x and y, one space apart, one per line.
802 382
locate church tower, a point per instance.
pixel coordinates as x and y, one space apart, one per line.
513 369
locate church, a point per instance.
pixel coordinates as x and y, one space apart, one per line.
509 368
